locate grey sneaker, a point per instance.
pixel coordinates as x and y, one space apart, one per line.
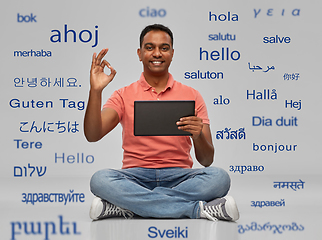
102 209
220 209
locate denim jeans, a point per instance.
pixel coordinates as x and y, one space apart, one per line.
162 192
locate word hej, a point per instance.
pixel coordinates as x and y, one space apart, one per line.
280 122
271 12
44 229
39 104
84 36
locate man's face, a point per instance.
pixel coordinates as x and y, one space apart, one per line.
156 52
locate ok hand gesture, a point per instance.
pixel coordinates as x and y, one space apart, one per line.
98 79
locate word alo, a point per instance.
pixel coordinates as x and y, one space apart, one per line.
43 228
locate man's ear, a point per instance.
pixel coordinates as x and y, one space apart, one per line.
139 54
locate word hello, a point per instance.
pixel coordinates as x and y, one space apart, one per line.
221 100
215 55
78 158
281 122
168 233
147 12
203 75
27 104
221 37
270 12
32 53
276 39
84 36
26 18
223 17
43 228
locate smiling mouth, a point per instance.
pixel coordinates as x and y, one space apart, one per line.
156 62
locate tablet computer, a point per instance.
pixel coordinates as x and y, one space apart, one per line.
158 118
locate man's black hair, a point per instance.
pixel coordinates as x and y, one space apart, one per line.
155 27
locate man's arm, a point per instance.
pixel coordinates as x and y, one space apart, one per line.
201 137
98 123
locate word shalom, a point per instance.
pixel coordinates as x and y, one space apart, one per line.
271 12
224 54
18 172
223 17
266 94
84 36
281 122
44 229
177 232
275 228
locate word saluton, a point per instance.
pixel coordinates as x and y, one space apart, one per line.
84 36
169 233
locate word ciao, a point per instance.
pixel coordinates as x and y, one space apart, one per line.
147 12
275 228
292 185
223 17
29 104
32 53
53 197
270 12
268 203
281 122
44 229
154 232
18 171
276 39
27 18
84 36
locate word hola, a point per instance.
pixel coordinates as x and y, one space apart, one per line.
221 101
43 228
223 17
59 37
154 232
281 122
270 12
26 145
276 39
147 12
26 18
293 104
223 55
79 158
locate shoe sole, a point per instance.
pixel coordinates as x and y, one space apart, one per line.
95 210
231 208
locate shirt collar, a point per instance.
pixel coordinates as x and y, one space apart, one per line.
147 86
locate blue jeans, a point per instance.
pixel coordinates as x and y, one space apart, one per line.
162 192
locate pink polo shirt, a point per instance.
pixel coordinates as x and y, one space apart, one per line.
154 151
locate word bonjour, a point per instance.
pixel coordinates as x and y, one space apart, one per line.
65 103
84 36
32 53
223 17
293 185
78 158
208 75
276 39
147 12
43 228
281 122
53 197
270 12
215 55
275 228
268 203
243 168
154 232
26 18
274 148
20 172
